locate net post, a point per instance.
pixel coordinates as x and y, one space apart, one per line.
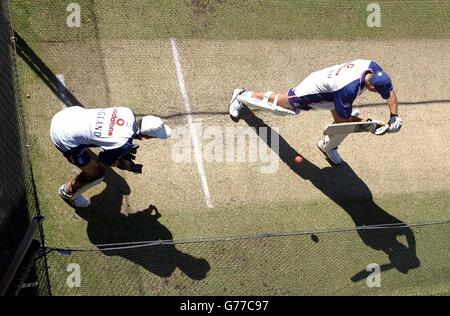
20 253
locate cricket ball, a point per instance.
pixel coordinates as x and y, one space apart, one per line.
298 159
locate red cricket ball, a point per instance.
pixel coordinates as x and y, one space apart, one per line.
298 159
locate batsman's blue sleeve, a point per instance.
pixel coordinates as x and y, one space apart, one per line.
344 98
109 157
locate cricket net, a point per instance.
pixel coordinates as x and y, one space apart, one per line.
377 260
18 200
412 259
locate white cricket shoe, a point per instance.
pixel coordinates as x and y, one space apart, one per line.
79 202
235 105
332 154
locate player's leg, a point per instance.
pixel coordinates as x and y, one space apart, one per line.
91 174
353 118
329 144
282 98
268 100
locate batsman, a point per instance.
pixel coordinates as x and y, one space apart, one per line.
74 129
334 88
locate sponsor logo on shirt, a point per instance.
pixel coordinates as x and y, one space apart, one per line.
99 123
100 120
347 65
113 121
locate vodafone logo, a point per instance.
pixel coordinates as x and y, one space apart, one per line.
114 120
348 66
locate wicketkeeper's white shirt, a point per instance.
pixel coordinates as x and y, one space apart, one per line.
108 128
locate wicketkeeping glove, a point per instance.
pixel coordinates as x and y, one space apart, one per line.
127 163
395 124
134 149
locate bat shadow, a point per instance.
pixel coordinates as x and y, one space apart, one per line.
344 187
106 224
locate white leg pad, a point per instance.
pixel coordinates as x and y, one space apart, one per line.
275 100
333 141
265 104
86 187
267 96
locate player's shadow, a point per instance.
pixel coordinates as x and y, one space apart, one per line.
343 186
107 225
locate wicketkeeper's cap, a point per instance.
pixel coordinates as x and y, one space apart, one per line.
153 126
382 83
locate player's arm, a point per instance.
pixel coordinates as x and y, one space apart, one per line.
392 103
343 100
395 122
338 119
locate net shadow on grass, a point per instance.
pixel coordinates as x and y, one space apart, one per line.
45 73
344 187
107 225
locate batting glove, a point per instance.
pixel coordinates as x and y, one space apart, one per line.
381 127
395 123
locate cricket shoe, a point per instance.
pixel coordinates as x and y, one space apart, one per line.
332 155
235 105
79 202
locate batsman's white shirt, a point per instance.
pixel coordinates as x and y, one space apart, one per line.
108 128
334 87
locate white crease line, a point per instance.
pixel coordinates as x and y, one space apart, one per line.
187 107
62 91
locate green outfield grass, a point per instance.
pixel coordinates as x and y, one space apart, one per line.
45 20
67 229
319 264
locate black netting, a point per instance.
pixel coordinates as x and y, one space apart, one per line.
18 201
411 259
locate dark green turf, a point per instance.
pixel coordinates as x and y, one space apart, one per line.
320 264
233 19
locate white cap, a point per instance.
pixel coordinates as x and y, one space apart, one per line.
153 126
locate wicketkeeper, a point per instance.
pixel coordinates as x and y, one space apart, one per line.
75 129
334 88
